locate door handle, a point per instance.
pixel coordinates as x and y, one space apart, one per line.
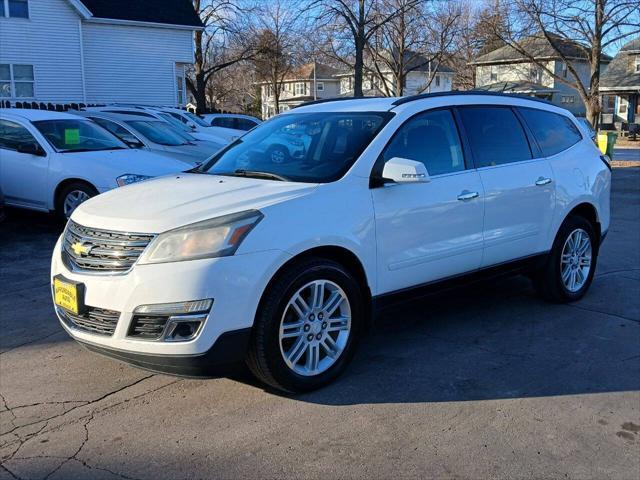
467 195
543 181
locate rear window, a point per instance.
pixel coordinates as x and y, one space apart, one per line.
553 132
495 135
225 122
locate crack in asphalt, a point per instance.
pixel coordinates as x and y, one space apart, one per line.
87 402
586 309
88 418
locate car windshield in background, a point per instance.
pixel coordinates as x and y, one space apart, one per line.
304 147
175 123
157 132
72 135
196 119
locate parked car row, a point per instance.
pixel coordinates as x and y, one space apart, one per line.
54 161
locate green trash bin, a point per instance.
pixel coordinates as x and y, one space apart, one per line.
611 141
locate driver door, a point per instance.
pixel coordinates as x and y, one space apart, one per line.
433 230
23 176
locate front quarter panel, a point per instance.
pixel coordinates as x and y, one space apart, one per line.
336 214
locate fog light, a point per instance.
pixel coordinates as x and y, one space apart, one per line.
180 329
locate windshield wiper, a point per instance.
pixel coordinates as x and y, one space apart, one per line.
257 174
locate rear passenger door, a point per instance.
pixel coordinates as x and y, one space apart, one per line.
517 180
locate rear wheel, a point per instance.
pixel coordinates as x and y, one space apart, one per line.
569 269
307 327
72 196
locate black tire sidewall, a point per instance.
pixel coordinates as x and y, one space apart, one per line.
272 314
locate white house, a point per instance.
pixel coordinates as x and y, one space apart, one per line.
298 87
96 51
423 76
507 70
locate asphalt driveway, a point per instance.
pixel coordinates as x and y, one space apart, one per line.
489 381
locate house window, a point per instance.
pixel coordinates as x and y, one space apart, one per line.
180 91
637 69
563 69
300 88
437 80
493 74
320 86
567 99
16 81
535 74
14 8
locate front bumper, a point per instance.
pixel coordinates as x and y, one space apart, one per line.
234 283
228 351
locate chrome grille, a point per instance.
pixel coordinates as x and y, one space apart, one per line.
93 320
106 251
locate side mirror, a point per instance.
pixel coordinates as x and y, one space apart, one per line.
403 170
31 149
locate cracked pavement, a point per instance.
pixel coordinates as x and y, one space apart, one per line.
488 381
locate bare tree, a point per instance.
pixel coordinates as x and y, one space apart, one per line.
218 46
279 30
351 25
576 30
419 37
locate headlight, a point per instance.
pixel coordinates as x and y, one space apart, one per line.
129 178
218 237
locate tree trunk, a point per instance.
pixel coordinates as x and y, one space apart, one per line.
358 68
200 93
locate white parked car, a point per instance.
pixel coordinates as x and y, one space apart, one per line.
281 264
209 135
234 121
197 124
52 161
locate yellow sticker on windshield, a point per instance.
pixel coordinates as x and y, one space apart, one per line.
71 136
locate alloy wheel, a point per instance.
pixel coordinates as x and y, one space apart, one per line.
315 327
73 199
575 261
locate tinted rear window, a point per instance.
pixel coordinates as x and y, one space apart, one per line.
495 135
554 133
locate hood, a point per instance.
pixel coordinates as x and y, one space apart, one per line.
155 206
113 163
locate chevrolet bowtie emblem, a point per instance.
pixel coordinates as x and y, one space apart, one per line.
80 249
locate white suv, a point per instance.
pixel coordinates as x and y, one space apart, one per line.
283 264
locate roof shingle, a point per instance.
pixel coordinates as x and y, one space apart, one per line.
620 72
170 12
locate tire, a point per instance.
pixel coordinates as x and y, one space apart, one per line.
549 281
267 349
80 190
278 154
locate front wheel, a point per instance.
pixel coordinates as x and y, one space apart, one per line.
307 327
72 196
569 269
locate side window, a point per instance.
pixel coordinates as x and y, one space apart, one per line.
13 134
225 122
245 124
431 138
495 135
117 130
553 132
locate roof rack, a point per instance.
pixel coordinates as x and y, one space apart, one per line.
403 100
338 99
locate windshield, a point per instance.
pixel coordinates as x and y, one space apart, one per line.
157 132
196 119
304 147
176 123
71 135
